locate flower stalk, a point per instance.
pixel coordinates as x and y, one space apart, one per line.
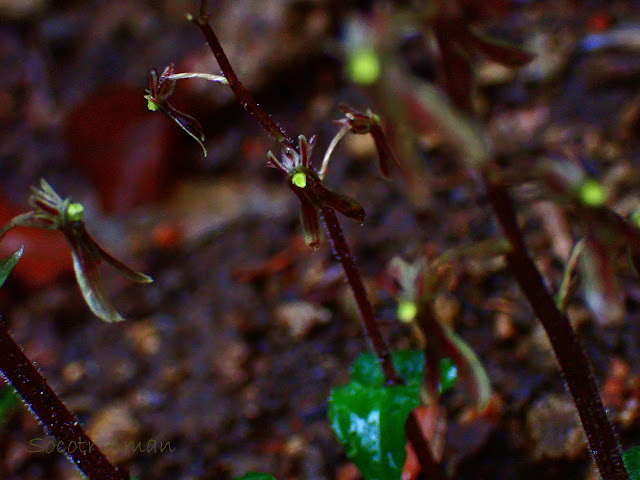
315 198
574 364
52 413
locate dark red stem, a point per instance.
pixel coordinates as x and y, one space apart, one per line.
380 346
49 409
571 357
246 99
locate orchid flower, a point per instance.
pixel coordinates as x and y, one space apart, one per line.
604 231
415 285
308 186
363 123
51 212
161 88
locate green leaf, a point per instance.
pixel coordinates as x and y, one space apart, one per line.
9 400
631 460
409 364
7 264
369 423
255 476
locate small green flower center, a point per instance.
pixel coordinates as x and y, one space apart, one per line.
152 105
591 193
407 311
74 212
299 179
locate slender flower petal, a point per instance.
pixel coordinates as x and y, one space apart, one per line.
86 259
308 219
341 203
602 294
53 213
385 153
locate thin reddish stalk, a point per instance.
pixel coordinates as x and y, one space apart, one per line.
571 357
49 409
354 278
246 99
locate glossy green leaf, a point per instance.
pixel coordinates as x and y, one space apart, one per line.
369 423
631 459
409 364
255 476
7 264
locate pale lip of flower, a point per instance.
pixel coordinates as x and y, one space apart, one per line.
53 213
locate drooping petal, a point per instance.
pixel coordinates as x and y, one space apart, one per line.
384 150
86 259
321 196
310 224
308 218
341 203
125 270
446 343
599 282
187 123
471 373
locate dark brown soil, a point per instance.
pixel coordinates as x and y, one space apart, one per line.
206 360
